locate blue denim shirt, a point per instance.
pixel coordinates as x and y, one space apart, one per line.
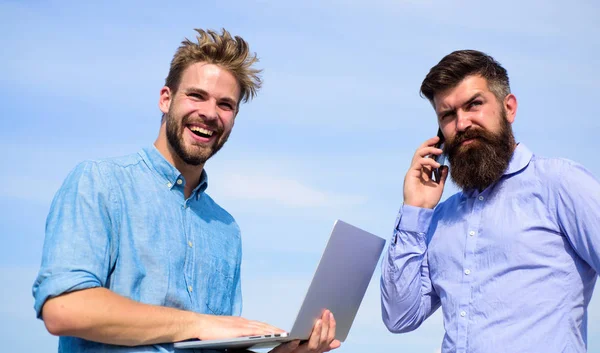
124 224
513 267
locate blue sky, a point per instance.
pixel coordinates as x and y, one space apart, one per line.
330 135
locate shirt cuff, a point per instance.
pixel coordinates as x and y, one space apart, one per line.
414 219
49 286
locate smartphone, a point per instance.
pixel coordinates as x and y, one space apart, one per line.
441 159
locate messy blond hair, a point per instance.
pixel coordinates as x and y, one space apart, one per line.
230 53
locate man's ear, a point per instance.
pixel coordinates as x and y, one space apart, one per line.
510 106
164 101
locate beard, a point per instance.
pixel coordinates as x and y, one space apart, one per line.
192 155
482 162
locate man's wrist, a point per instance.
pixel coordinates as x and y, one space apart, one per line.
419 204
414 219
190 326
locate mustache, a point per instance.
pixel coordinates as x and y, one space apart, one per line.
451 146
469 134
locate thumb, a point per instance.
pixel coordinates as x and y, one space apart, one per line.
444 175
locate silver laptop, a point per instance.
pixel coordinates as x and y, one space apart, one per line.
339 284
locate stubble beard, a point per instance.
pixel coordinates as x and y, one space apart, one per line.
175 130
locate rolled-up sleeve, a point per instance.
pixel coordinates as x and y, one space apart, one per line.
79 247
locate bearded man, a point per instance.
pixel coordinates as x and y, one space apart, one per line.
512 259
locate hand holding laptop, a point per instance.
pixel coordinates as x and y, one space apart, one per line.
322 338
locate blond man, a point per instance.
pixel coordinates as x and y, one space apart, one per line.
137 255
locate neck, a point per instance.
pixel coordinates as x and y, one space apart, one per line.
191 173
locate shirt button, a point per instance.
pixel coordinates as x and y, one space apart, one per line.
190 289
467 272
480 198
190 244
169 185
179 181
462 313
471 233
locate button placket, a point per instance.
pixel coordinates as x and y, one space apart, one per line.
472 235
189 262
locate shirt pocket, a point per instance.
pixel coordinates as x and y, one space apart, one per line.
219 285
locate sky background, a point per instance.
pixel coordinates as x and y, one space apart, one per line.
330 135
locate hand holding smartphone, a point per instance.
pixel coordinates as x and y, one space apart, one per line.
441 159
418 191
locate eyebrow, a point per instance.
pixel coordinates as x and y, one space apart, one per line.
203 92
447 111
475 96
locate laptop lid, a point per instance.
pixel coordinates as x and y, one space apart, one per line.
341 279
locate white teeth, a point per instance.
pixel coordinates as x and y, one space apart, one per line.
201 130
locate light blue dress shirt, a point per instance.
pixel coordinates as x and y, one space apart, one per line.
513 267
124 224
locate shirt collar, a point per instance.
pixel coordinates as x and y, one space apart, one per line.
520 159
167 172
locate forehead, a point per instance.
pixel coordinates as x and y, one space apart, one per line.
461 93
211 78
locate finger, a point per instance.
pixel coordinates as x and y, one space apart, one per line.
430 142
427 152
335 344
325 319
286 347
244 327
426 173
423 165
264 327
331 333
444 176
315 336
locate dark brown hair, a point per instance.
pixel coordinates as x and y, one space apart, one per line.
230 53
456 66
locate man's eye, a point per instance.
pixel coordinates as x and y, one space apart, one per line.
475 103
196 96
446 115
226 106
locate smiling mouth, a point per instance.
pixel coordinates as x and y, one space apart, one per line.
198 131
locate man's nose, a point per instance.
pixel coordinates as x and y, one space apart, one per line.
209 111
463 121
